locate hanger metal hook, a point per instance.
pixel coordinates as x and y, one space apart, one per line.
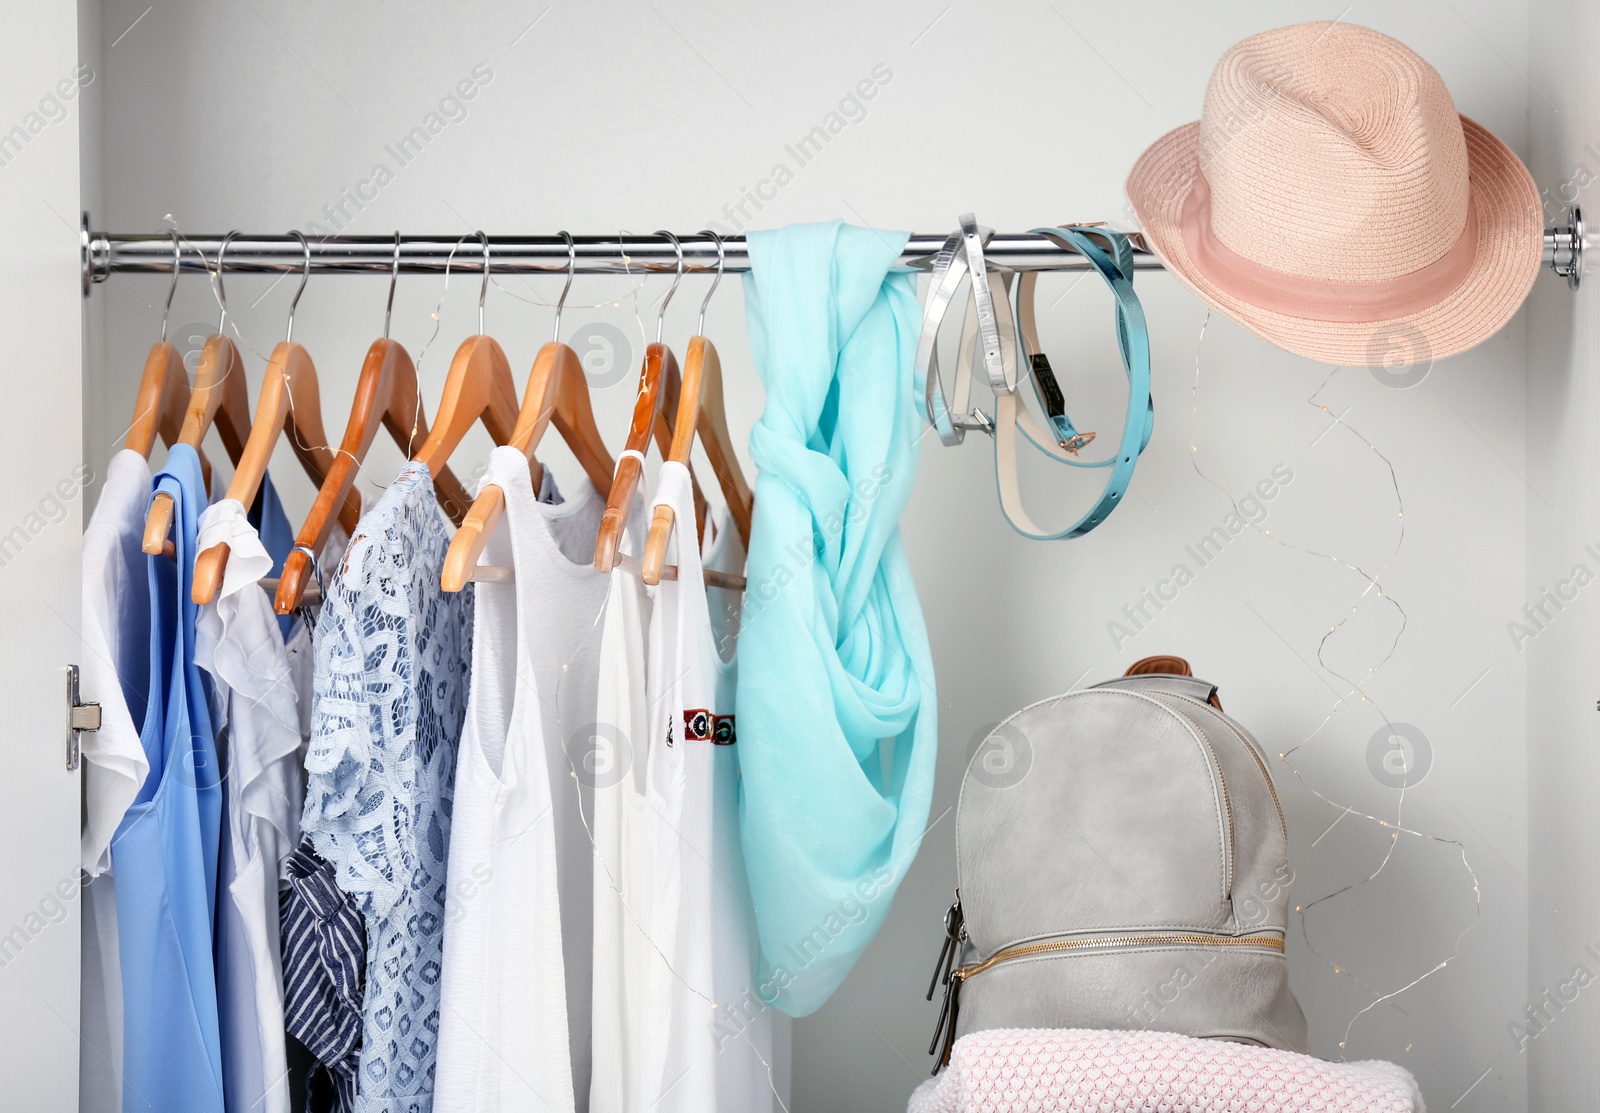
394 277
572 268
305 275
222 292
483 291
177 263
661 314
722 259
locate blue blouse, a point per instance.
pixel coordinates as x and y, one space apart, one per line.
165 850
393 659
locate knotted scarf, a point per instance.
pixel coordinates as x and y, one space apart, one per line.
835 706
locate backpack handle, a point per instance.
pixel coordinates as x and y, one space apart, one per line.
1174 668
1170 665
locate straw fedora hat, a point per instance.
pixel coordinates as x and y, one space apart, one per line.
1331 200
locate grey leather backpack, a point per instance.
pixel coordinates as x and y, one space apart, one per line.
1121 862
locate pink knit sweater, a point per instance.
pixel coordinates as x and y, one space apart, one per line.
1074 1070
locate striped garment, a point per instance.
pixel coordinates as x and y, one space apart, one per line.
324 968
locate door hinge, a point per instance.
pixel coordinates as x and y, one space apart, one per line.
80 717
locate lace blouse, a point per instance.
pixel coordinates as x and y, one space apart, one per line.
393 657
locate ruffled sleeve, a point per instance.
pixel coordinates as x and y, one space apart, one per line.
355 809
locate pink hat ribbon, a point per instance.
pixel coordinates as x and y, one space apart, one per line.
1316 298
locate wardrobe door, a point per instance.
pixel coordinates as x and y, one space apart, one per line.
41 520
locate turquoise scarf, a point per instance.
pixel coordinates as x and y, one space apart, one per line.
834 666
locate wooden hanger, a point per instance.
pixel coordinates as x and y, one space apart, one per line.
478 386
558 391
289 404
659 381
163 396
161 403
219 397
386 395
700 411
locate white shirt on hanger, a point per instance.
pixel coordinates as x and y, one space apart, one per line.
682 668
638 798
116 642
670 895
504 1034
114 671
240 642
564 645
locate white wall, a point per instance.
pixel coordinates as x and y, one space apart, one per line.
1563 764
630 115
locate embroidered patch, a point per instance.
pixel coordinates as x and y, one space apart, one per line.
697 724
722 732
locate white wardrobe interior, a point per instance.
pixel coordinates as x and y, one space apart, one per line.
1464 496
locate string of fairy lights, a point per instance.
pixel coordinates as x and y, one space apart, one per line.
1356 696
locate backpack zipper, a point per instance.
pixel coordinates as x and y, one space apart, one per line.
1261 765
955 931
1230 856
1147 939
1227 807
955 934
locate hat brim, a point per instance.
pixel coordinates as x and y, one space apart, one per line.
1510 252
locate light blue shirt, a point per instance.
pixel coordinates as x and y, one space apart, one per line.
833 654
165 850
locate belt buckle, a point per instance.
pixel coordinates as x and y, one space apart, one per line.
976 420
1075 443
